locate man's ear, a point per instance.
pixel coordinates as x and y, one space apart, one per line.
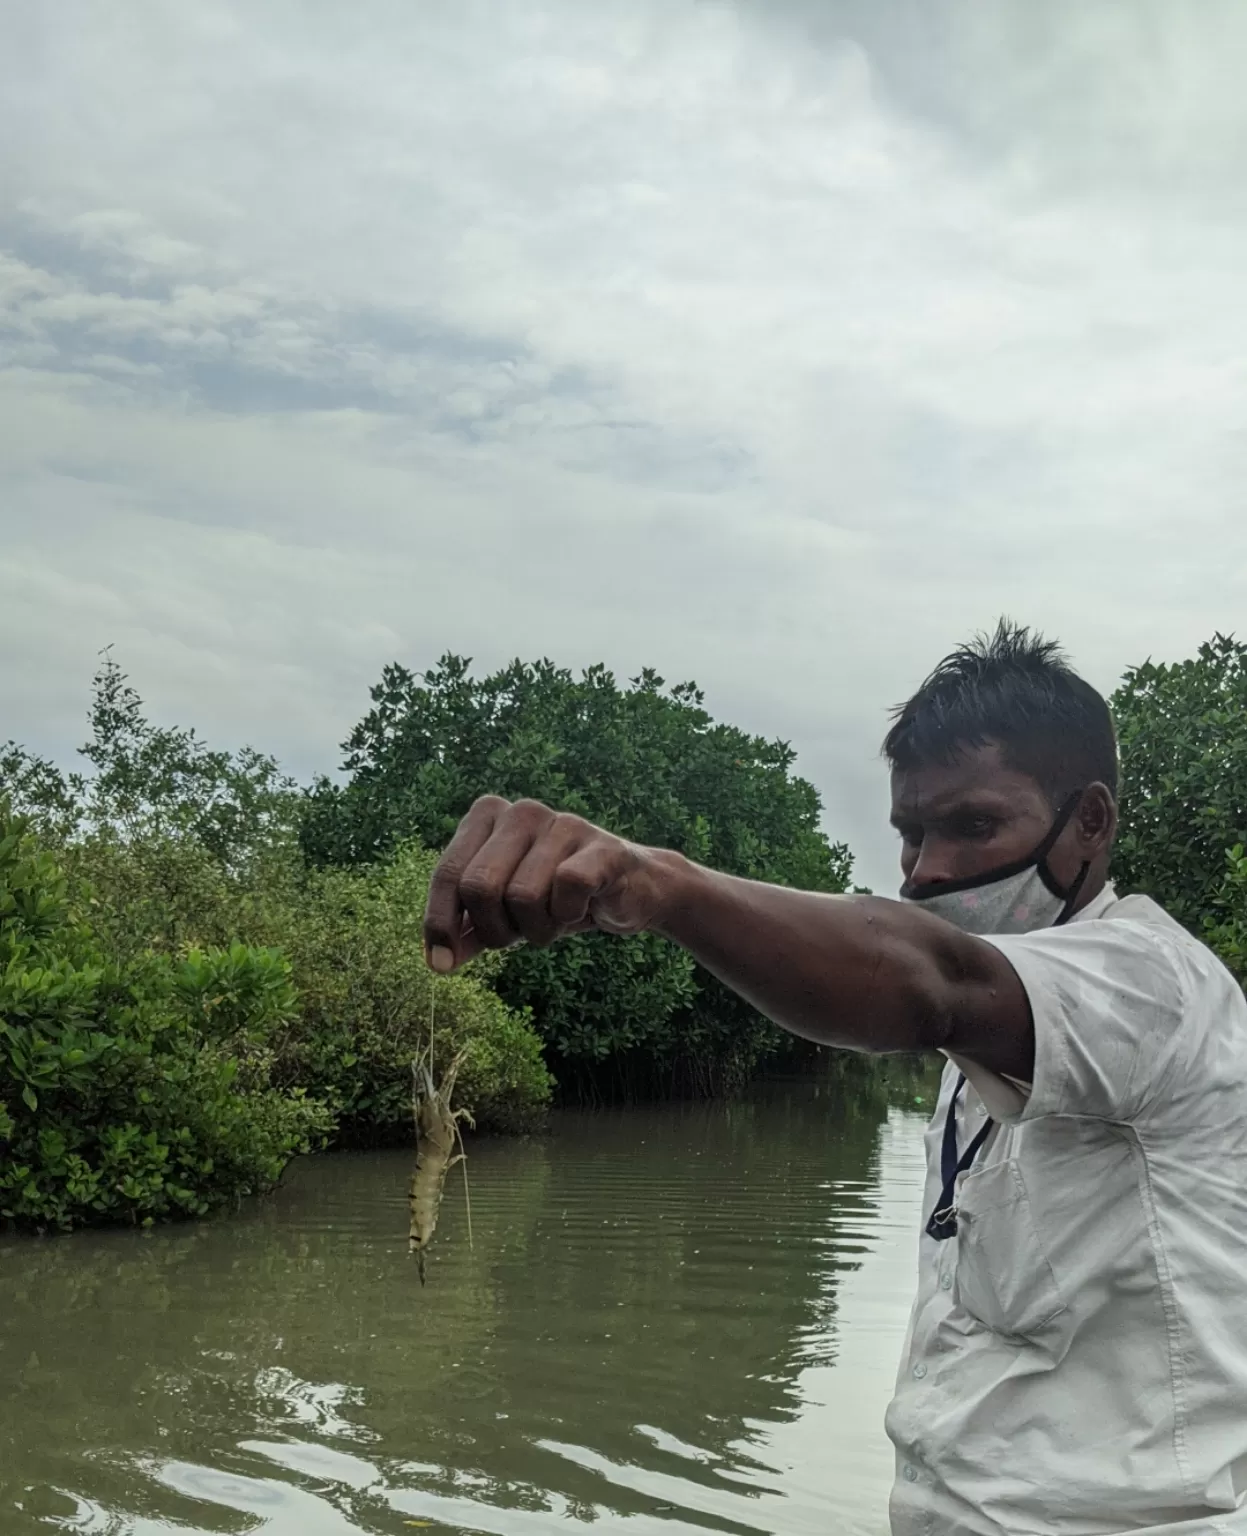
1096 820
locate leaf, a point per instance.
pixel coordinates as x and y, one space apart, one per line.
30 1098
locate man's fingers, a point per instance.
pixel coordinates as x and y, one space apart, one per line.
444 941
444 960
524 872
529 896
575 883
484 884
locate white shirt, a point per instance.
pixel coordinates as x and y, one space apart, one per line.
1077 1354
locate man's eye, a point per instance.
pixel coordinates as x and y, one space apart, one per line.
977 826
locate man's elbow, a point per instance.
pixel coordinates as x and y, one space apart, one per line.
936 980
912 988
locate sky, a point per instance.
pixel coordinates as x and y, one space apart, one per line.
781 346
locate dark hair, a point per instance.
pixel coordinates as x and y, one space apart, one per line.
1018 690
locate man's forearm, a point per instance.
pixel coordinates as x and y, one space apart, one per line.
851 971
843 970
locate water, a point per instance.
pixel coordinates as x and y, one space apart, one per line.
683 1319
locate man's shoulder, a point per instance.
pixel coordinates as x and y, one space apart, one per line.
1114 921
1147 915
1128 945
1139 921
1132 1014
1135 908
1140 913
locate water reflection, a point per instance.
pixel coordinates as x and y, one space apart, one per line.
685 1317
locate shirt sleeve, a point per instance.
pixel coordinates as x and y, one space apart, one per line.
1108 1002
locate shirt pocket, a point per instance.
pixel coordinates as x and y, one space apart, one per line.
1004 1279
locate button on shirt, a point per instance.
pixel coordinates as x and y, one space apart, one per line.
1077 1353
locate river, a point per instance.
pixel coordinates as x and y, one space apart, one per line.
678 1319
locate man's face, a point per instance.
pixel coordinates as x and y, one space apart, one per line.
968 818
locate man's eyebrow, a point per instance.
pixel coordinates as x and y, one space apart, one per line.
977 802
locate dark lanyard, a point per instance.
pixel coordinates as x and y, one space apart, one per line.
943 1222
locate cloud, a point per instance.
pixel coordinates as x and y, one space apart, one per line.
776 345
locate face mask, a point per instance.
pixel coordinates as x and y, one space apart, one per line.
1016 898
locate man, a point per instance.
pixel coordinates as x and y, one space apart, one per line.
1077 1354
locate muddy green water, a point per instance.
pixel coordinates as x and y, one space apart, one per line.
679 1319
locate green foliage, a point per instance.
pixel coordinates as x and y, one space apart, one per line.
645 761
175 847
137 1090
362 992
153 781
1225 926
167 891
238 993
368 1003
1183 734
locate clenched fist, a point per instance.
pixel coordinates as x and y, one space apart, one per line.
524 872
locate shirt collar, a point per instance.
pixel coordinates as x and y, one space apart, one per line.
1097 906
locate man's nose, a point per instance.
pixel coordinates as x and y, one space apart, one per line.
933 864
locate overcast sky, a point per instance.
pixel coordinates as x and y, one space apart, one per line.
779 346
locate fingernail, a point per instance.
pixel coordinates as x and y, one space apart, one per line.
441 959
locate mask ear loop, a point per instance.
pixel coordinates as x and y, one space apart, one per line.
1064 816
1069 894
1067 911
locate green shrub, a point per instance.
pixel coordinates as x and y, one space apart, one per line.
362 990
367 1002
1182 727
647 761
1225 924
134 1090
174 846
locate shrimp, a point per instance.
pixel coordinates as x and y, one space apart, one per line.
437 1136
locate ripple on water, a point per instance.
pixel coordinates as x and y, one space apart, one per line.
673 1318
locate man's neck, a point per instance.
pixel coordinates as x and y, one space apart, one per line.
1093 889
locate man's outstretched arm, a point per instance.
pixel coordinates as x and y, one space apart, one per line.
850 971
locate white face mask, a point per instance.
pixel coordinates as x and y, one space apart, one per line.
1016 898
